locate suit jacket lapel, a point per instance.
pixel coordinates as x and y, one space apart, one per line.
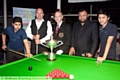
61 27
54 29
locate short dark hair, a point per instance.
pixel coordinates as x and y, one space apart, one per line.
102 11
81 10
17 19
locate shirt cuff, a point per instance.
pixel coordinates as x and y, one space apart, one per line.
59 52
31 37
42 41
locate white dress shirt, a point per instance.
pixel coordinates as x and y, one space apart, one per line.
38 24
60 24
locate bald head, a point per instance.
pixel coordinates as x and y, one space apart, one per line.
58 12
39 9
58 16
39 13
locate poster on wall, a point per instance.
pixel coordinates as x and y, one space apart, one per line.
27 14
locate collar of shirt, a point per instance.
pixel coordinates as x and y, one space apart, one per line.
60 24
85 22
14 29
104 27
38 24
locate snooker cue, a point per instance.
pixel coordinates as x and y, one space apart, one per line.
37 45
23 54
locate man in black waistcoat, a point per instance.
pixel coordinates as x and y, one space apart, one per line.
84 36
61 32
38 31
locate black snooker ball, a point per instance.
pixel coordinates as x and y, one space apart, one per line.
30 68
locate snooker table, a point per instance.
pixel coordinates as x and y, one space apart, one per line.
81 67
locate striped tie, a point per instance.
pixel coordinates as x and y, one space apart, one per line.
57 29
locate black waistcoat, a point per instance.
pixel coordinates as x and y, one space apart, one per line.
42 31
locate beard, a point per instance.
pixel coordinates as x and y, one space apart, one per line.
82 21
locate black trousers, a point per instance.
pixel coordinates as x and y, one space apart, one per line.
11 56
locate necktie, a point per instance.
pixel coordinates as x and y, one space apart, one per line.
57 29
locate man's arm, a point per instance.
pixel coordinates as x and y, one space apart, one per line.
3 41
49 32
107 48
108 45
72 49
98 50
94 39
26 44
112 35
27 48
66 39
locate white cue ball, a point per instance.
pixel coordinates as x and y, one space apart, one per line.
71 76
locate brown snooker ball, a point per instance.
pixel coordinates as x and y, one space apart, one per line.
30 68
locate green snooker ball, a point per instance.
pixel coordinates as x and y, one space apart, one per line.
30 68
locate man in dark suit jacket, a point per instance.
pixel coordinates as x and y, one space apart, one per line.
61 32
84 37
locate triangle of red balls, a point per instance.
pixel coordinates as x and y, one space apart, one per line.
57 73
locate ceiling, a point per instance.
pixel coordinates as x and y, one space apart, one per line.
49 6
